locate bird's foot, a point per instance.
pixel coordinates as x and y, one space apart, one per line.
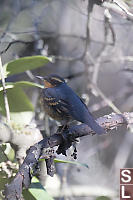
62 128
72 138
67 141
74 155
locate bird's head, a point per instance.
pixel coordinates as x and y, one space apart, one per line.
51 80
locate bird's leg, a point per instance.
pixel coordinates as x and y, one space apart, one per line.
66 143
63 128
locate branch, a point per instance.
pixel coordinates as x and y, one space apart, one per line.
108 26
4 92
106 99
119 7
13 191
14 42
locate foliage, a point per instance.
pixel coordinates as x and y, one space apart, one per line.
38 191
71 162
26 63
21 108
103 198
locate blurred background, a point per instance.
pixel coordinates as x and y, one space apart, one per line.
90 43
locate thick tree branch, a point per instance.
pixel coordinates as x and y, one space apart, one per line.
23 177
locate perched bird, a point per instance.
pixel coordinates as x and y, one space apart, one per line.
62 104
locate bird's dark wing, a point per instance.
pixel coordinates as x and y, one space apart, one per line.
58 104
83 102
68 104
79 111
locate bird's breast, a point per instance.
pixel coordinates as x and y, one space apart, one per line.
51 107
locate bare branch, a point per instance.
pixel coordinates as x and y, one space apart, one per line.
103 103
119 7
23 177
106 99
103 52
14 42
108 25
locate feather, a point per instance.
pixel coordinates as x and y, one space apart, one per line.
65 102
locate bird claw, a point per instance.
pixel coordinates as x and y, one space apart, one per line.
74 155
68 139
63 128
66 143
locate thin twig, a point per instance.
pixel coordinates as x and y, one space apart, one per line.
120 95
119 7
108 26
106 99
14 42
5 93
104 49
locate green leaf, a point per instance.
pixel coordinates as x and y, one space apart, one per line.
20 106
27 195
18 101
23 64
71 162
21 109
7 87
3 157
27 83
38 191
103 198
9 151
22 84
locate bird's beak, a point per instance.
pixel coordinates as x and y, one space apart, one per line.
45 82
40 77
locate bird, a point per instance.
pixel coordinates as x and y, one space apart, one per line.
62 104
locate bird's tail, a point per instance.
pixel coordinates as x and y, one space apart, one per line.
94 125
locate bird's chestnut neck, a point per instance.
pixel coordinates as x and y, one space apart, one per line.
48 84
